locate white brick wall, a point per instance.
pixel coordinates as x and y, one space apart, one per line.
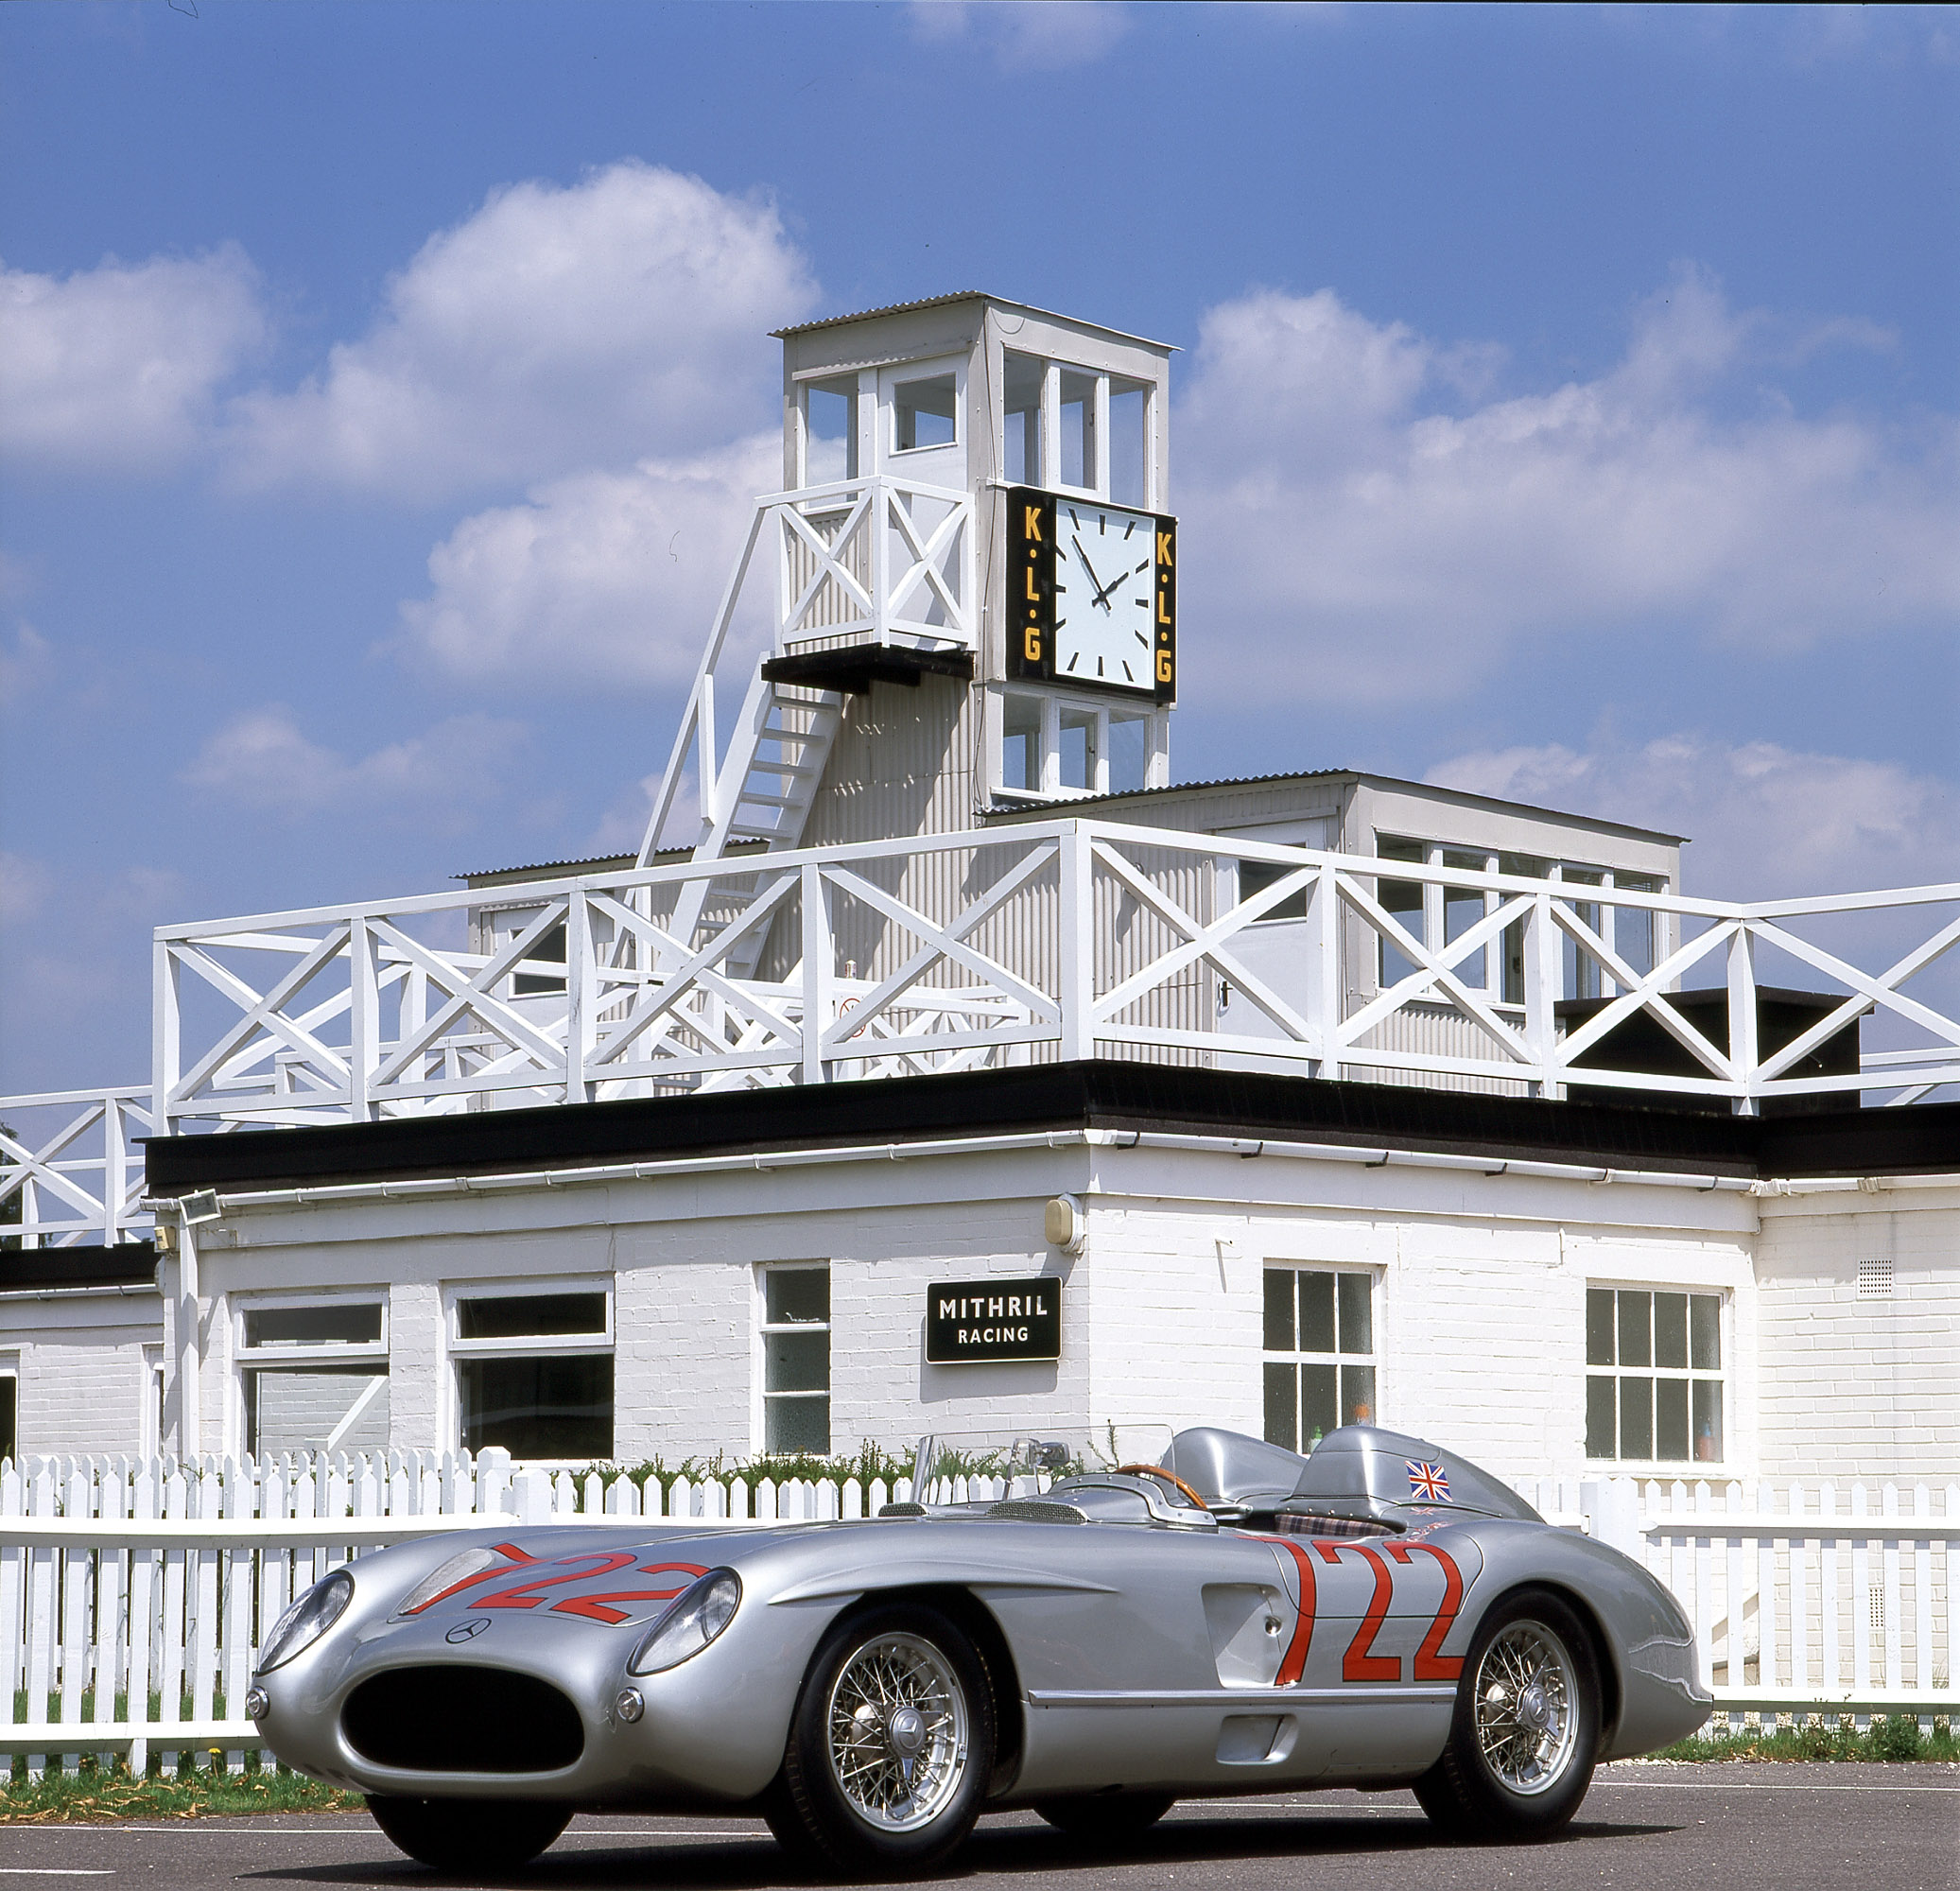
1860 1387
1480 1309
83 1380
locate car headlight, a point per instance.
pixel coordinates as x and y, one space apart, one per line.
452 1575
307 1620
701 1611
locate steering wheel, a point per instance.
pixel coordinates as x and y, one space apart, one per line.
1168 1477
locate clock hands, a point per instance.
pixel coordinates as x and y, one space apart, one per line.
1102 590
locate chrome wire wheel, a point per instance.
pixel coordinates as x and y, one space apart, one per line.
896 1726
1526 1723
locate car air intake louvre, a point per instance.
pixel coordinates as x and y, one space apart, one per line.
463 1720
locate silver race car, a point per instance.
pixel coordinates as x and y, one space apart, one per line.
1111 1637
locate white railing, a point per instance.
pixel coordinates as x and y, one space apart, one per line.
1056 938
70 1171
874 560
133 1593
1806 1599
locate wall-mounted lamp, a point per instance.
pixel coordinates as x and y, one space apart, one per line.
1065 1224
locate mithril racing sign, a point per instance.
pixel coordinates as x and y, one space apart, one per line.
970 1321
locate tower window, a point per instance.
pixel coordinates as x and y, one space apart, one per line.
1078 429
1129 448
1020 415
921 413
831 431
1020 743
1078 750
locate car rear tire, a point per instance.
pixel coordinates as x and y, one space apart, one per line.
890 1745
470 1834
1106 1818
1526 1729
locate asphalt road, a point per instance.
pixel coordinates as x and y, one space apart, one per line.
1645 1828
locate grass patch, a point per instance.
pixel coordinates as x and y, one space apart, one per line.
1888 1737
99 1793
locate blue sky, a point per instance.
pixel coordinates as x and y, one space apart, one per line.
1570 408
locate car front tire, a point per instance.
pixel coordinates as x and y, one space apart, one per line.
470 1834
890 1745
1526 1728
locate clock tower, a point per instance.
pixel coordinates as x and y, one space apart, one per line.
974 583
1048 425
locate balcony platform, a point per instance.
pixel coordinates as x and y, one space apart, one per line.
852 668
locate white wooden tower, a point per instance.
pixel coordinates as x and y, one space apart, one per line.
922 669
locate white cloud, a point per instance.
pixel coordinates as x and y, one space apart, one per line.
1767 822
117 365
599 577
558 328
1374 525
262 760
1042 35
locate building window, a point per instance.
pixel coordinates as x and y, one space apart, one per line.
1255 877
1402 901
796 1359
9 1410
1654 1375
314 1376
546 951
534 1373
1319 1353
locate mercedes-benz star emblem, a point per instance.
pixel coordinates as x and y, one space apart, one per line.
465 1631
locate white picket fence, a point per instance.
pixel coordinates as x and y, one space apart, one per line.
133 1593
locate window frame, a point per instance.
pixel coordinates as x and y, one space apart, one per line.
903 373
1372 1360
1104 384
1588 977
458 1350
1720 1375
1053 704
10 1375
295 1356
764 1327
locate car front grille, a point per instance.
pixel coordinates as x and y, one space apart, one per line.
457 1719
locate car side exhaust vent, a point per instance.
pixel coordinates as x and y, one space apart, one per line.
455 1719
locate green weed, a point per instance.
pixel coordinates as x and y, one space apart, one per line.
1820 1737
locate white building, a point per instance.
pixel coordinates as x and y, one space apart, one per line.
964 1072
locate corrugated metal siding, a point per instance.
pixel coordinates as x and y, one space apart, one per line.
1440 1031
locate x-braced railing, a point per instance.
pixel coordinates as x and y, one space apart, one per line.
70 1172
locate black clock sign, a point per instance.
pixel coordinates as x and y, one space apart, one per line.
1092 594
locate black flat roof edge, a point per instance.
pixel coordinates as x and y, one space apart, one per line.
1101 1093
35 1270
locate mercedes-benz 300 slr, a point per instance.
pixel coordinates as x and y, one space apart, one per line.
1232 1618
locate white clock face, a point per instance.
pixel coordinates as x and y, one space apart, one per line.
1105 571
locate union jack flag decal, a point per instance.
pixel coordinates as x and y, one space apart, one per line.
1429 1482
